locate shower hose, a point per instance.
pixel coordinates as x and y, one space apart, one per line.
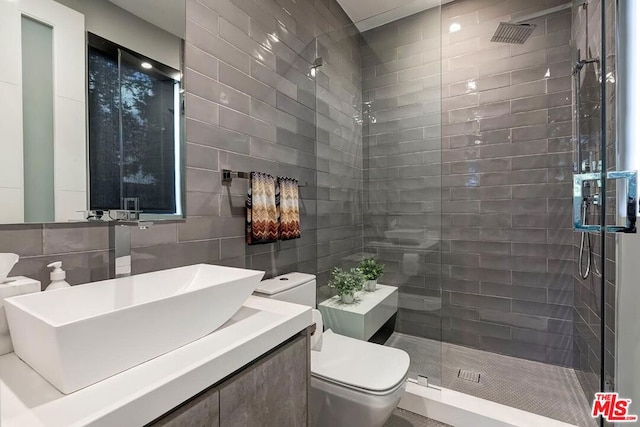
586 238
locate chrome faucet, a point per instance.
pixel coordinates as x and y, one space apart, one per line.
120 240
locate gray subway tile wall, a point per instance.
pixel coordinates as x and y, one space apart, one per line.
504 155
254 66
250 105
83 250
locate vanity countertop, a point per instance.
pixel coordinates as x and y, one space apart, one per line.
141 394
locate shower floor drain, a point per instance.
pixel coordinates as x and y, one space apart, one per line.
464 374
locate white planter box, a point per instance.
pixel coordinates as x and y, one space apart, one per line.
365 316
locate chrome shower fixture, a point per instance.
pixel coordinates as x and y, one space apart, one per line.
317 63
519 30
585 241
512 33
579 65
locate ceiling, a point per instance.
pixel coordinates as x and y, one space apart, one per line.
166 14
368 14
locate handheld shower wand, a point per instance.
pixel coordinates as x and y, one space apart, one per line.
585 243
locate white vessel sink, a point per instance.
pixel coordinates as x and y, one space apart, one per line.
78 336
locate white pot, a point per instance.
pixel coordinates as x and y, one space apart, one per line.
370 285
347 298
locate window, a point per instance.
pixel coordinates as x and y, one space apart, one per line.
135 113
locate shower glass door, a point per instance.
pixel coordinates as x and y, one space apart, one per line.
594 148
452 151
379 169
402 144
522 327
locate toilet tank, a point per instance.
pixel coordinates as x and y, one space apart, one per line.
298 288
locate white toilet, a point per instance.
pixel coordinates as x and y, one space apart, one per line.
353 383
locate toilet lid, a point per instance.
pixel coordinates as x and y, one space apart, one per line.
359 364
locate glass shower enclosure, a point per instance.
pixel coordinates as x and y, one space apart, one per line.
379 155
447 151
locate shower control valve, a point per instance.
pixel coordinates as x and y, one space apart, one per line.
585 167
580 182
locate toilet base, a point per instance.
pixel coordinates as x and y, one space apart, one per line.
333 405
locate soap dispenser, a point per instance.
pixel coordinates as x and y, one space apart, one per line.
57 277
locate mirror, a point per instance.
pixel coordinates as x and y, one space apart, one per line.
91 103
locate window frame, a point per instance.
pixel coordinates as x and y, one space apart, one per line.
109 47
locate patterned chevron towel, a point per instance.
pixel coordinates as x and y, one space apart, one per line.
289 208
262 209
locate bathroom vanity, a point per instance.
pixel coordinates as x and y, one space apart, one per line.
272 391
254 367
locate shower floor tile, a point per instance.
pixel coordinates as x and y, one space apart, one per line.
548 390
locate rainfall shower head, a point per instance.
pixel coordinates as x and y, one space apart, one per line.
512 33
518 31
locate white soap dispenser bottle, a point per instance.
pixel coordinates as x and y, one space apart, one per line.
57 277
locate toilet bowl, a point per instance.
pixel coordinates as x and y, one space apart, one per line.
353 383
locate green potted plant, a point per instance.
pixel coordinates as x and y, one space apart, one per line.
371 270
346 283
